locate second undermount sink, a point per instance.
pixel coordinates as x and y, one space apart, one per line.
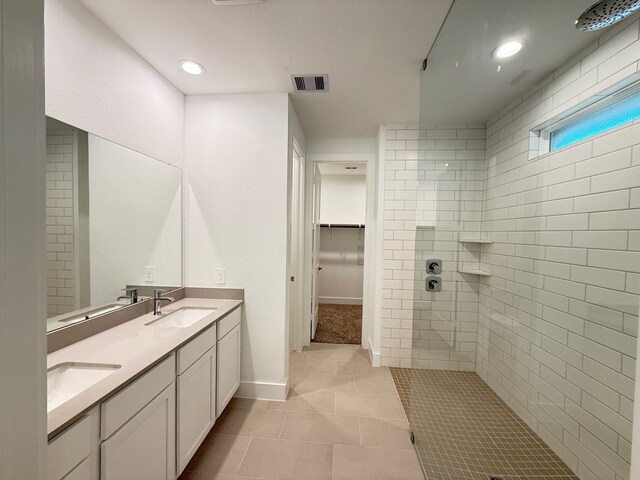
66 380
183 318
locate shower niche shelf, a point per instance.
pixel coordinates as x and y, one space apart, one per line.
475 240
475 271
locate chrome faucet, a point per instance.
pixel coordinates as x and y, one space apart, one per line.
131 294
158 299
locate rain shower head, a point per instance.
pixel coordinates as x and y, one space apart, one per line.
606 13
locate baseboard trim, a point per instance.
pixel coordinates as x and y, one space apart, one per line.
263 391
340 300
373 355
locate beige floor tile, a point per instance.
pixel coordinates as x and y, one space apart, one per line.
287 460
328 367
384 432
376 385
323 382
361 369
295 359
248 403
250 422
219 454
362 355
318 402
369 406
329 352
211 476
318 427
364 463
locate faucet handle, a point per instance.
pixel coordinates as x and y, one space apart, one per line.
160 291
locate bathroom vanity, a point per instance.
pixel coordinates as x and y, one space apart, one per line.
137 400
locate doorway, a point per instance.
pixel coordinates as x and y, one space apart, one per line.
340 200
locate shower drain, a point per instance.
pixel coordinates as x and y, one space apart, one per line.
496 478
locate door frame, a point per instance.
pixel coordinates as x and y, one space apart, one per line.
368 310
297 254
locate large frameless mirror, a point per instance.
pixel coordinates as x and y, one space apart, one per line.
113 224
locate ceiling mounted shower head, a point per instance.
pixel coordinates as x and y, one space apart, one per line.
605 13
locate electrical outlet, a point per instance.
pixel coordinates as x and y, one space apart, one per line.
221 276
149 274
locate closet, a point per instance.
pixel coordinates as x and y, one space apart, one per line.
342 206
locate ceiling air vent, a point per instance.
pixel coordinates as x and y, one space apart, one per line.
235 2
311 83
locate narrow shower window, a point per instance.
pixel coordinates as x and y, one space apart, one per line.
602 120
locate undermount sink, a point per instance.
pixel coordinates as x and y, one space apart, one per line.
183 318
66 380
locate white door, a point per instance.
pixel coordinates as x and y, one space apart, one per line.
196 406
295 288
316 250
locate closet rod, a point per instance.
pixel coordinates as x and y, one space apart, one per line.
337 225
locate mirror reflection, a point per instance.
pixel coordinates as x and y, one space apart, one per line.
113 225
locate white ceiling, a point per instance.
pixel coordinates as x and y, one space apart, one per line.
462 83
371 49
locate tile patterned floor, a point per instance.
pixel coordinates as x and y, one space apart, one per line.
343 420
465 431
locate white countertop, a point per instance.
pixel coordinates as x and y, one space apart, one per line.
134 346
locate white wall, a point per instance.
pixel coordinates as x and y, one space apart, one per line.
557 320
341 277
237 151
566 266
23 417
96 82
432 181
343 199
135 225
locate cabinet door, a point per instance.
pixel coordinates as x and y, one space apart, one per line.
144 448
196 406
81 472
228 368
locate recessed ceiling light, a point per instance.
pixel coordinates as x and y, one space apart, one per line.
189 66
507 49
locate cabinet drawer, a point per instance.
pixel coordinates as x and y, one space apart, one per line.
116 411
229 322
197 347
69 449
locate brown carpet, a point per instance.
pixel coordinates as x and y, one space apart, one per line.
339 324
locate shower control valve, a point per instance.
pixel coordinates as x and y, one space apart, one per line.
434 284
434 266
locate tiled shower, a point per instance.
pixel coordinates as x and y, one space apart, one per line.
541 270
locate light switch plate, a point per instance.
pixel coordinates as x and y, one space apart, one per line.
149 274
221 276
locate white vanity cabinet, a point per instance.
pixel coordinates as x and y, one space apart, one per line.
138 428
196 394
151 428
73 454
228 358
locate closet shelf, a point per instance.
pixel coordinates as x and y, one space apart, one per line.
474 271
